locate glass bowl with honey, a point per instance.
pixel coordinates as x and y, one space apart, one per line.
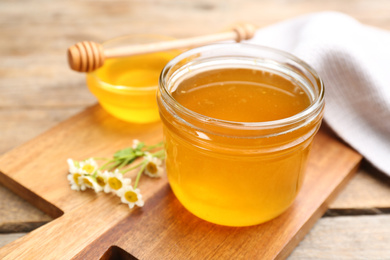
126 87
238 122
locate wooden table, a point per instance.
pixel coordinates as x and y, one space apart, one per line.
38 90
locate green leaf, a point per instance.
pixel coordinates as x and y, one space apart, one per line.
124 153
140 146
139 153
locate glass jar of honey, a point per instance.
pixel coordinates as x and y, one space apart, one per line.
238 123
126 87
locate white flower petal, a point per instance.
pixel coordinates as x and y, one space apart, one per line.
126 181
72 166
148 156
107 189
118 175
135 143
139 202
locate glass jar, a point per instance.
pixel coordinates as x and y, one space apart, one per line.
237 173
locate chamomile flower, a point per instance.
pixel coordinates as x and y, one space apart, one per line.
75 181
115 182
91 183
86 174
74 176
88 166
101 178
131 196
153 166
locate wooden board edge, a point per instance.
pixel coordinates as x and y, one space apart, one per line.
293 243
26 194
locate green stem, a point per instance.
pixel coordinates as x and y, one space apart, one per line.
115 165
160 154
151 147
123 157
125 162
132 168
106 164
139 174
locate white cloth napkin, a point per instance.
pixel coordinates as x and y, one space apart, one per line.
354 62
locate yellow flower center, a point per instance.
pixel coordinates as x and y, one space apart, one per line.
114 183
151 168
100 181
131 196
76 178
88 168
86 181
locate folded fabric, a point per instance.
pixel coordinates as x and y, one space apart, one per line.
354 62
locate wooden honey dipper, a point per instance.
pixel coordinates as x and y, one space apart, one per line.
87 56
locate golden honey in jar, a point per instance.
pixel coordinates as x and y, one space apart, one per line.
126 87
238 124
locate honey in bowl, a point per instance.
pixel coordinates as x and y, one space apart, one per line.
238 125
126 87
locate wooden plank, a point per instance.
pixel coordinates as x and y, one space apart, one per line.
95 133
369 190
21 216
20 125
349 238
8 238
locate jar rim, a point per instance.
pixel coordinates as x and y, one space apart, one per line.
314 108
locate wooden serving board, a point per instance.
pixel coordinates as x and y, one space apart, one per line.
93 226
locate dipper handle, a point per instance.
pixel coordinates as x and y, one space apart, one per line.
87 56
